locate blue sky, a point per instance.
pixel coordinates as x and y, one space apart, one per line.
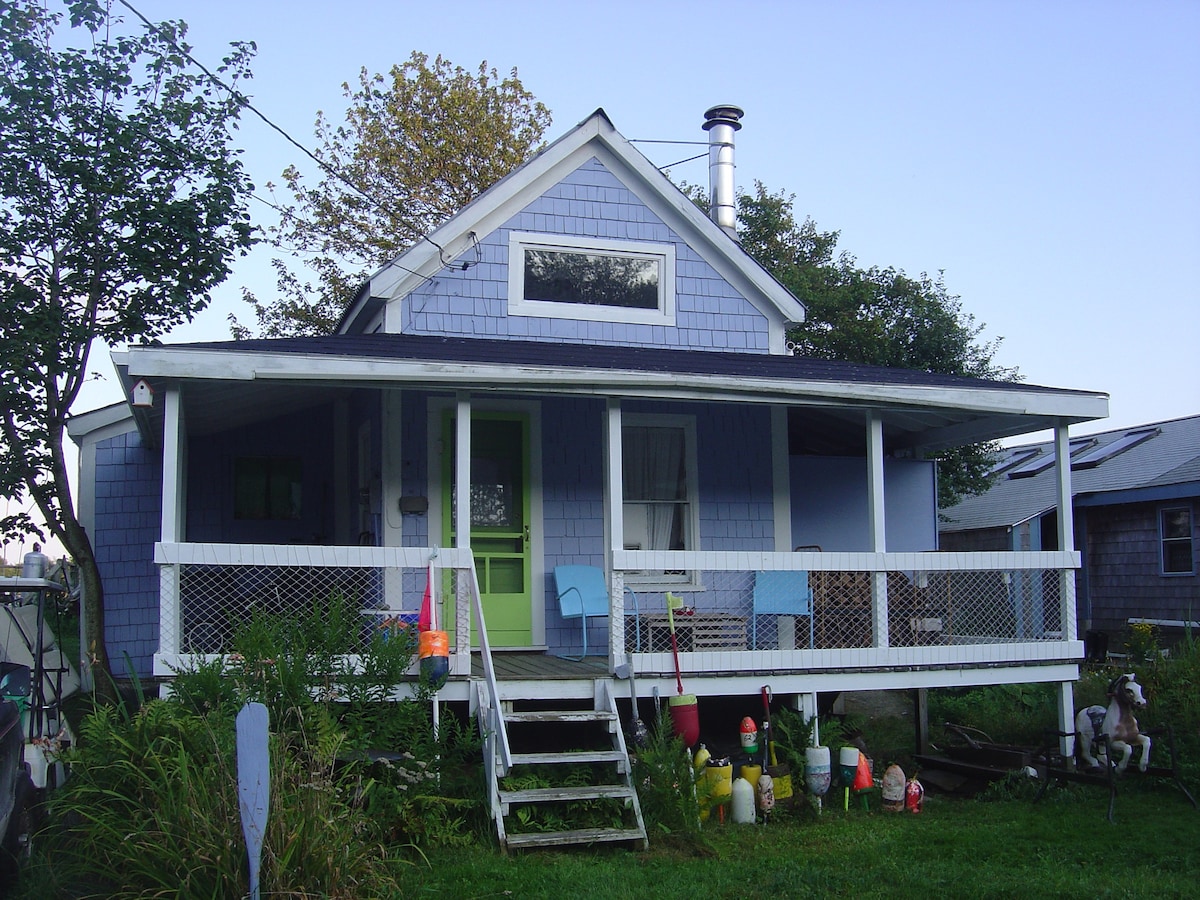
1043 154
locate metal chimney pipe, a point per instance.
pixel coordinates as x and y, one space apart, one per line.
721 122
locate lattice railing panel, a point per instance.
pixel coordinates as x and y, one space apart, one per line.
739 610
215 600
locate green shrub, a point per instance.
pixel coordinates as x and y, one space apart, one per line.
666 784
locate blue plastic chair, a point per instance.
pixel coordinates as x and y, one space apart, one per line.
582 594
781 594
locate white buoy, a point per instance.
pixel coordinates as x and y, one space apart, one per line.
743 802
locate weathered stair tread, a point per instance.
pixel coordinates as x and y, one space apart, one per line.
561 715
554 794
582 836
570 756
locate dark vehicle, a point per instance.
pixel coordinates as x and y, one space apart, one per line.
16 785
35 676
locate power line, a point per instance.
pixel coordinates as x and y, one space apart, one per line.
244 101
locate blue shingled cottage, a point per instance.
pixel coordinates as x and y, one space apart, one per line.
580 368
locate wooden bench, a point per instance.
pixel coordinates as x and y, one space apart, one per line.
1052 767
697 631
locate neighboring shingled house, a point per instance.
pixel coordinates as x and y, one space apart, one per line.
1135 495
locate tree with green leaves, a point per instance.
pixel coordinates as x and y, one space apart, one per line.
416 146
879 316
122 205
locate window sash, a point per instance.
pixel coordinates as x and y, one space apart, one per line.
1175 529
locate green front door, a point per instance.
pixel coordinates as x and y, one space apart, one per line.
499 520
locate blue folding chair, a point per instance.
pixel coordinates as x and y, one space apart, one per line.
781 594
582 594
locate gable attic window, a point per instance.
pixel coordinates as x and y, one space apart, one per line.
558 276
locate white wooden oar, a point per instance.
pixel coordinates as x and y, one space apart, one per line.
254 784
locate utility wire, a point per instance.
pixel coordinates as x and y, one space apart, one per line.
244 101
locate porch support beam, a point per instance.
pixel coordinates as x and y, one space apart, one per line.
614 515
781 479
877 526
462 511
1066 718
1066 531
170 620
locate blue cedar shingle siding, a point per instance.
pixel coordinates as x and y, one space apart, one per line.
592 202
735 493
127 524
572 502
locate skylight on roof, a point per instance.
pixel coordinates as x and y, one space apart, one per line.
1094 457
1042 463
1009 461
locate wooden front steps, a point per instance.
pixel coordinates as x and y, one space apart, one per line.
568 779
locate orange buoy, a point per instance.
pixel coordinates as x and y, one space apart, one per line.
433 648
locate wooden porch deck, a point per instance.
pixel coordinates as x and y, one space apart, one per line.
526 666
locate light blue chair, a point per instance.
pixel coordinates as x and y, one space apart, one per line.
582 594
781 594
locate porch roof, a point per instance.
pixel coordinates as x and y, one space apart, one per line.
918 408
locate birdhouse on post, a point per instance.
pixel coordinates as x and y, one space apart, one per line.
143 394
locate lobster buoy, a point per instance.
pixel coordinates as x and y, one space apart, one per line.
433 647
749 735
914 795
766 793
893 788
743 802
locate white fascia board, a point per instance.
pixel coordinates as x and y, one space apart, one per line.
224 365
485 213
87 425
595 137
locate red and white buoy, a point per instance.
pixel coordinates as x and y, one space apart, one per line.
749 735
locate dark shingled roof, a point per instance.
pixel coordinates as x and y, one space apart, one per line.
562 355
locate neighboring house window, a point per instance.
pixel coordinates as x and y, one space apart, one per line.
591 278
266 487
660 506
1175 527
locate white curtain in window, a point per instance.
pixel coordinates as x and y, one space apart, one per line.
653 470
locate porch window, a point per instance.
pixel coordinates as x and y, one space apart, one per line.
591 278
266 487
659 475
1175 528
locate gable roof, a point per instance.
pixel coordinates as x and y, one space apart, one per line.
1157 461
454 241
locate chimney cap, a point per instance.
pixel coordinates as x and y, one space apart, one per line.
724 114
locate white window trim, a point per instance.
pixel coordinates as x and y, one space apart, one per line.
1163 539
664 254
688 581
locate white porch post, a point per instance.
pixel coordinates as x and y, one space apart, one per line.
781 479
1066 583
877 523
172 528
1066 718
614 514
1066 531
462 517
391 480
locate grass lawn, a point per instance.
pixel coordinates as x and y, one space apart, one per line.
1061 847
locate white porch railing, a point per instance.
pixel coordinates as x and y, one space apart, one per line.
867 610
207 591
851 610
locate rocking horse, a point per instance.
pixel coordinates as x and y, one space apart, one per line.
1117 722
